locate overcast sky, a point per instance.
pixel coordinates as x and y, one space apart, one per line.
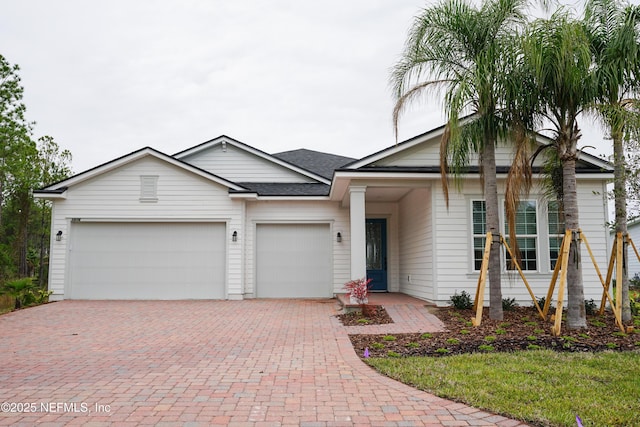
107 78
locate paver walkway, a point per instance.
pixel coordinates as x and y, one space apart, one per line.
191 363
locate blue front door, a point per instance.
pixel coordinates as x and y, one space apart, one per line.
376 230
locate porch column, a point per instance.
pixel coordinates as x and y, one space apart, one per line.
358 239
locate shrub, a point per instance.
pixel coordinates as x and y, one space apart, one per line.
542 300
358 289
486 347
389 338
25 292
635 303
462 301
453 341
426 336
590 307
509 304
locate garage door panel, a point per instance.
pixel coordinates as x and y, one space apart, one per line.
147 261
293 261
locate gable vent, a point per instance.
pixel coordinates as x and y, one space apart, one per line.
148 188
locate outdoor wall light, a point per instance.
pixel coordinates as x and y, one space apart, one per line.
339 237
234 236
59 236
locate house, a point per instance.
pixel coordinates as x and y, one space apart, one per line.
224 220
633 228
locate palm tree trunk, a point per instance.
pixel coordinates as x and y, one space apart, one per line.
493 225
620 193
576 314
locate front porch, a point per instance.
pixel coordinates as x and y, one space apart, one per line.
391 233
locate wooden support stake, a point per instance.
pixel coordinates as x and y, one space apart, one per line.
618 308
482 279
552 284
566 245
524 279
612 259
606 290
593 259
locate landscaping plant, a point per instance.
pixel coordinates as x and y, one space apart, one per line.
358 289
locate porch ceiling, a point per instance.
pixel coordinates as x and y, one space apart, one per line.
385 194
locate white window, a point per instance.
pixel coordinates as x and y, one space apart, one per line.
148 188
479 218
526 236
555 220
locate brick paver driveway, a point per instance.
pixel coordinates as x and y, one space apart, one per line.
246 363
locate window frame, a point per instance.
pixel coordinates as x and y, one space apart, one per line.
540 236
560 223
474 235
536 237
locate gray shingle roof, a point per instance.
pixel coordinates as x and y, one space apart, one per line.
287 188
319 163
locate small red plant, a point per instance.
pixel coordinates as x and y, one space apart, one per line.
358 288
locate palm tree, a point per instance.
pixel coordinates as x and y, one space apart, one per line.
460 49
612 27
557 87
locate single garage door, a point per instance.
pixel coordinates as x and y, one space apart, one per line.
293 261
147 260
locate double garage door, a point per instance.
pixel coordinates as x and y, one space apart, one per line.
147 261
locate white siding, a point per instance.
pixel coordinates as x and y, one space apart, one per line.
115 196
634 264
238 165
303 211
416 255
453 256
427 153
424 154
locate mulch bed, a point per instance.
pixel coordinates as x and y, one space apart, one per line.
369 315
521 329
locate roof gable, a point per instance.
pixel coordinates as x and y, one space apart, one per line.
423 151
57 189
239 162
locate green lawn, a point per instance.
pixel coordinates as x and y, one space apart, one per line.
539 387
